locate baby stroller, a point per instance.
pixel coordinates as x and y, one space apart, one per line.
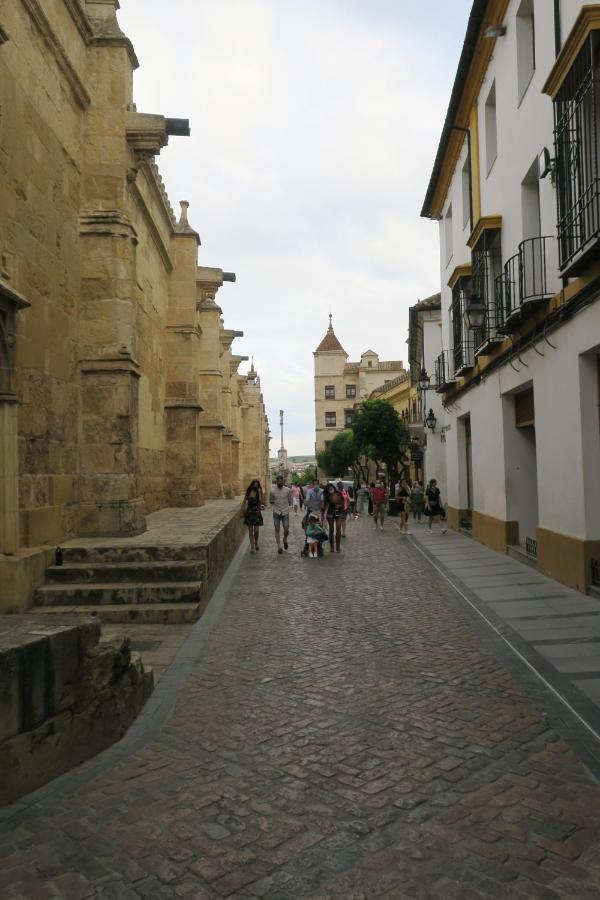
304 551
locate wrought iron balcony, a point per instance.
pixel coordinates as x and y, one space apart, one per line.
464 347
577 151
444 372
487 264
523 283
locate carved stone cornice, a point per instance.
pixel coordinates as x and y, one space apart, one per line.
146 132
183 404
41 22
108 222
124 363
105 27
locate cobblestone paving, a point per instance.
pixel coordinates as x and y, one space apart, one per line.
345 733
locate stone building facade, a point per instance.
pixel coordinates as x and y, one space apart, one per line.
120 392
340 385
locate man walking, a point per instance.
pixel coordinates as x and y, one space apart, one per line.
281 501
313 497
380 495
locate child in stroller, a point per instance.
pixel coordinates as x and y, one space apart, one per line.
315 536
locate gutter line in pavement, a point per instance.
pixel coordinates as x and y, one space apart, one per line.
514 649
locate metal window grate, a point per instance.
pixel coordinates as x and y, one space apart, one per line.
444 372
576 141
531 547
487 265
463 338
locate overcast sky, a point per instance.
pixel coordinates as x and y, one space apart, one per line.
314 128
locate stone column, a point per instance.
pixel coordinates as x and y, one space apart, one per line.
109 493
211 425
182 406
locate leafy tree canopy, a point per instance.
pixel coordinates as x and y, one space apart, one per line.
339 456
379 432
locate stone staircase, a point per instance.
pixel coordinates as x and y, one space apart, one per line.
126 584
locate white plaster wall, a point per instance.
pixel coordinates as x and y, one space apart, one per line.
567 437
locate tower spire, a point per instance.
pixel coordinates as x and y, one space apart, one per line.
330 323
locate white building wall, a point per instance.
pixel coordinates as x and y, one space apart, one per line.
565 386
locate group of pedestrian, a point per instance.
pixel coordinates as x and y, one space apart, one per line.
414 498
328 506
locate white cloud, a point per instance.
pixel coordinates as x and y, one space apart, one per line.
313 134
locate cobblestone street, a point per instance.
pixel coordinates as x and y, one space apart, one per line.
346 730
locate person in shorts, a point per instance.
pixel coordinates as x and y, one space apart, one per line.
433 507
296 498
315 535
403 497
281 501
346 511
379 495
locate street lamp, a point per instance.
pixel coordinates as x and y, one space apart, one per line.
431 420
424 380
474 312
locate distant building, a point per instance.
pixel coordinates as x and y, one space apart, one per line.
340 385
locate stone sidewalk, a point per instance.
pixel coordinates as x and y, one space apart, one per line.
345 727
555 629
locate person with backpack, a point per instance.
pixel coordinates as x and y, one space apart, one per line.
379 495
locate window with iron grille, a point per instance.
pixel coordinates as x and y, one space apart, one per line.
486 263
350 391
348 417
576 137
461 335
330 392
329 419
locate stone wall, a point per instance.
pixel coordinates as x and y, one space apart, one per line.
63 697
124 392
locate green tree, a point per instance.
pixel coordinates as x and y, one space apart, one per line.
380 434
307 477
342 454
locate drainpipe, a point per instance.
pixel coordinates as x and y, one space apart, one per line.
557 27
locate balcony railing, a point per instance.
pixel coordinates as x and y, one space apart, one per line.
523 283
464 346
486 265
444 371
577 151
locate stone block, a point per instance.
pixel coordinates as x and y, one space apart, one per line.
10 701
44 525
62 489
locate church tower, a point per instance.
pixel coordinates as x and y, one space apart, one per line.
330 397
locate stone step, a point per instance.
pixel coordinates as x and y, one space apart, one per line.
137 614
124 553
120 593
114 572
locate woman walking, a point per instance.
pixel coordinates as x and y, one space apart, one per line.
416 501
362 500
333 505
433 506
296 498
252 506
346 510
404 504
